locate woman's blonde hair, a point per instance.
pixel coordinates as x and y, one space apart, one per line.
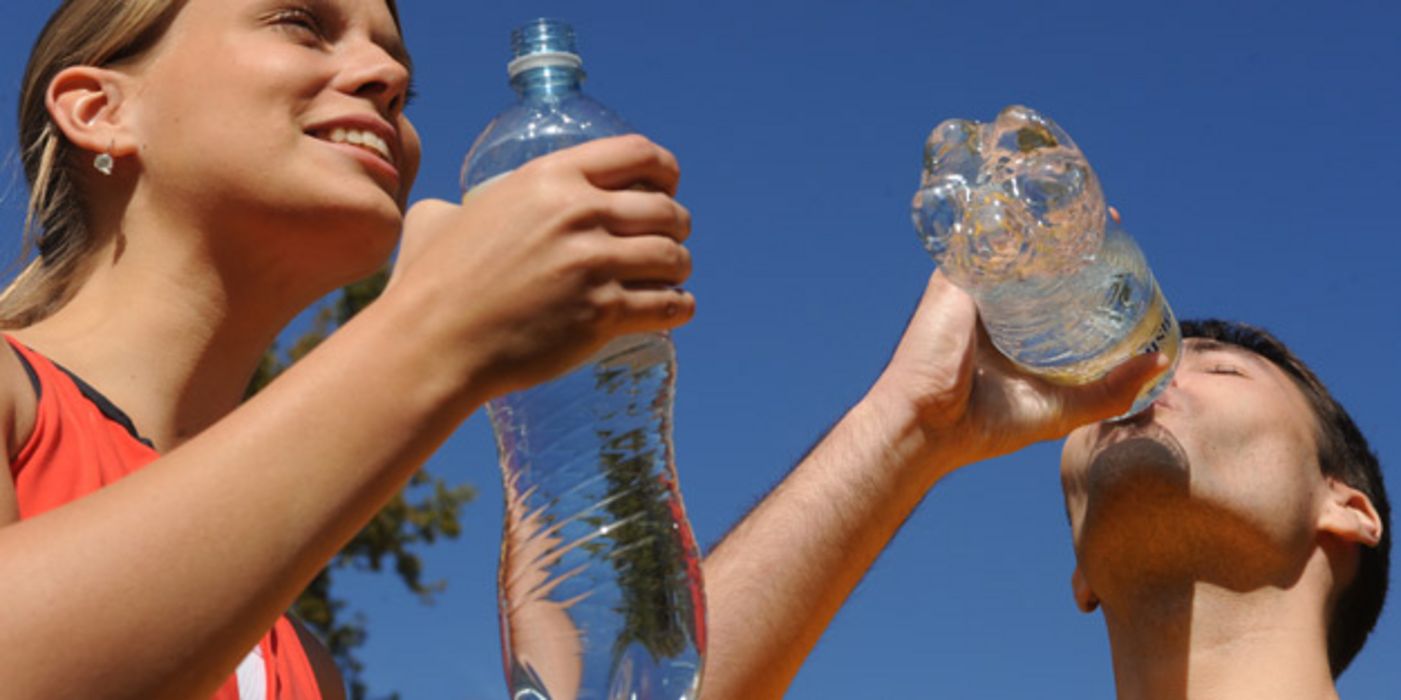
80 32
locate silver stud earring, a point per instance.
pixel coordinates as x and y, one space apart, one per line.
104 163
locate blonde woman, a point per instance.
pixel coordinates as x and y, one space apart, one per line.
200 172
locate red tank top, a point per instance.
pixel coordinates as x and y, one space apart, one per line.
80 443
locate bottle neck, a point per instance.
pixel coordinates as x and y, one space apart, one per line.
548 81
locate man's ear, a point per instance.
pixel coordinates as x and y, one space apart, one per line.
1085 598
1348 514
88 104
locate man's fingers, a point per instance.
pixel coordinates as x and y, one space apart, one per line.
1114 395
944 303
943 325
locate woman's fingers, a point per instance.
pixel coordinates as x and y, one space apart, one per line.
652 309
426 214
632 213
649 261
625 162
552 260
423 218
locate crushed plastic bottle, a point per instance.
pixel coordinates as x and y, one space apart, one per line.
1014 215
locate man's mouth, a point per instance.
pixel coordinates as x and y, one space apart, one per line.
1140 428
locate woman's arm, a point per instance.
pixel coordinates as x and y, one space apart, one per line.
156 586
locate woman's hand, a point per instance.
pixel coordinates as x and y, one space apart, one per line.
539 268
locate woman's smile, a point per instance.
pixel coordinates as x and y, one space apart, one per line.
368 139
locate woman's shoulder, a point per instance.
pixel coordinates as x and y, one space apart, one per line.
19 403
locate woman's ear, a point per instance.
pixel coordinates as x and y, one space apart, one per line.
1348 514
87 104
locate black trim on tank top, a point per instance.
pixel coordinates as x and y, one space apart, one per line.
29 370
108 409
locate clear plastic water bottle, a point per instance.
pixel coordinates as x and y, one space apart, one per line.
1014 215
600 588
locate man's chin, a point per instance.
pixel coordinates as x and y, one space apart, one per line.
1136 474
1137 451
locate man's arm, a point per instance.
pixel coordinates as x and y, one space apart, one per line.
945 400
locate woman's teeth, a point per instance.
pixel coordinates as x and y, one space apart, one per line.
364 139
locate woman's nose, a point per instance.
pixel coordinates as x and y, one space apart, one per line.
377 75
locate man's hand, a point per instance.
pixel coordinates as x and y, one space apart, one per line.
957 397
947 398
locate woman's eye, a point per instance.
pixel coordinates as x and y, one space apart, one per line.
298 19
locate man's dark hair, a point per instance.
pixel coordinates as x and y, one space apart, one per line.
1344 455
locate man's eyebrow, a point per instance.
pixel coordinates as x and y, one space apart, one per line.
1205 345
1208 345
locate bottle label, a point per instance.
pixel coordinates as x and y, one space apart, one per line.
1166 337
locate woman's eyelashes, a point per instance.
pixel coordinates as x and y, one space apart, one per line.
311 28
301 21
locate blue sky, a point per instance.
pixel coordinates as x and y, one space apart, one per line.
1251 147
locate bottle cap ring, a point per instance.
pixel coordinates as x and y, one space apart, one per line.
543 59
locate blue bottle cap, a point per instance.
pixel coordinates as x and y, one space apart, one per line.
540 43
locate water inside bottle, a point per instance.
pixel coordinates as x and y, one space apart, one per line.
600 587
1075 329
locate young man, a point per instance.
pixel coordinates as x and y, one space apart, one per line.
1235 535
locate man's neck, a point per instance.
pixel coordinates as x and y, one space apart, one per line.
1199 640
